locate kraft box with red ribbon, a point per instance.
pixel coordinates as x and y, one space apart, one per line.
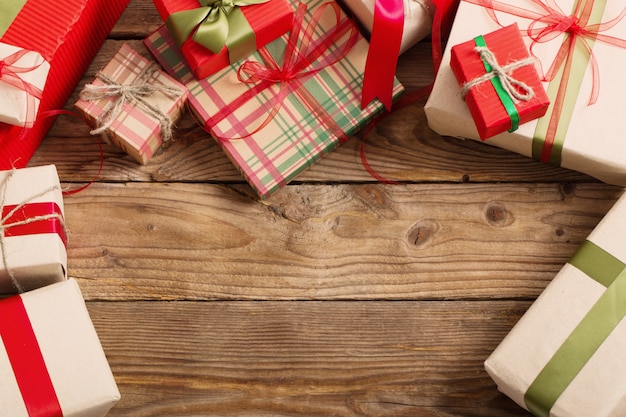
292 102
213 34
32 229
580 47
51 360
133 104
566 356
74 32
499 81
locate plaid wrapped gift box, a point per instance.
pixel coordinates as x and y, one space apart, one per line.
51 360
74 32
274 131
133 104
566 357
32 231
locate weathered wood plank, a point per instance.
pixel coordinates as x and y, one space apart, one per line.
305 358
430 241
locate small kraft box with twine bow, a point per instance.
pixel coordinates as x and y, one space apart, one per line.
33 237
566 356
51 360
133 104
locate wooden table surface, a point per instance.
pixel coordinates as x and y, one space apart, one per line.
338 296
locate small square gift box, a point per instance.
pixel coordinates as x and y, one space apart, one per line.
283 109
133 104
23 76
51 360
566 356
499 81
212 34
32 229
67 34
580 48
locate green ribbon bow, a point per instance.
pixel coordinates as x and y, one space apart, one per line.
212 24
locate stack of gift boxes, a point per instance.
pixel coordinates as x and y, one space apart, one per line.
279 84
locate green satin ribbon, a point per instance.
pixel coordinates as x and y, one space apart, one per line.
216 24
588 335
9 9
504 97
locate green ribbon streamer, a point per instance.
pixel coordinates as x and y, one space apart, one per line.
504 97
216 24
9 9
588 335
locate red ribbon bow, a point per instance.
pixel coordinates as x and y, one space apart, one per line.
10 74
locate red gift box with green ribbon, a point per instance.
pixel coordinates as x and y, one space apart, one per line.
213 34
74 32
499 81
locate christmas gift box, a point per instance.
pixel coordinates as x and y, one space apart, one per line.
74 32
32 231
581 59
51 360
498 81
22 78
566 356
212 34
133 104
275 121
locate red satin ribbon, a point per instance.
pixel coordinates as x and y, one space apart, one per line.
10 74
29 367
384 49
21 220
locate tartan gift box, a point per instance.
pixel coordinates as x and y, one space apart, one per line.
51 361
133 104
32 231
22 79
207 48
582 128
273 131
566 356
74 32
499 81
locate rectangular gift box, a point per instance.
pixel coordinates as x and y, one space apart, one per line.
51 360
566 356
418 18
74 32
142 124
267 21
273 134
22 80
572 134
33 240
494 108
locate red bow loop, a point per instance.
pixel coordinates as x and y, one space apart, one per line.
10 74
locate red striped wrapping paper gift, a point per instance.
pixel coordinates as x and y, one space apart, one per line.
74 32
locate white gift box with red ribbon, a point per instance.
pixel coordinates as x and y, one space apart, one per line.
51 360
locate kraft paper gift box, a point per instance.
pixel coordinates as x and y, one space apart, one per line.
274 131
68 34
32 229
573 133
142 118
51 360
566 356
250 25
22 80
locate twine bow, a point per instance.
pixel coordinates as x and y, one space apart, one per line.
141 88
10 74
6 222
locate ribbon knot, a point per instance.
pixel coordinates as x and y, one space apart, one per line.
119 94
10 74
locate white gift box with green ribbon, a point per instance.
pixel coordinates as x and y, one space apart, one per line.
566 357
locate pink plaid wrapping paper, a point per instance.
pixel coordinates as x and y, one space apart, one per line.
298 135
134 130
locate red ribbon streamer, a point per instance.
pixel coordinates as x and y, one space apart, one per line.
15 220
29 367
10 74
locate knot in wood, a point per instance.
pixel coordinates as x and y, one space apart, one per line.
497 215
